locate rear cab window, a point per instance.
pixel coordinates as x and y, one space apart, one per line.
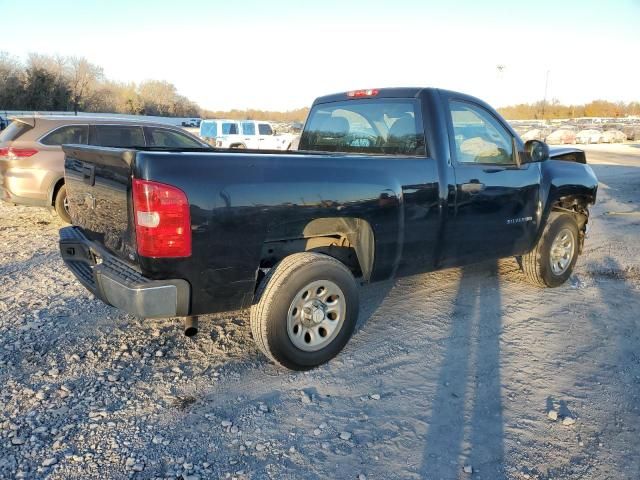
118 136
70 134
378 126
15 130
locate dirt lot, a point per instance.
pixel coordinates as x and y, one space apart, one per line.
449 370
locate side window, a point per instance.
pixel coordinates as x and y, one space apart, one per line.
119 136
208 129
229 128
248 128
479 137
76 134
160 137
264 129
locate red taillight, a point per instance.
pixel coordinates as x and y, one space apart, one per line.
162 219
372 92
12 152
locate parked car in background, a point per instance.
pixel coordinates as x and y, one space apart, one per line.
193 123
561 136
589 136
32 160
632 132
613 136
535 134
255 135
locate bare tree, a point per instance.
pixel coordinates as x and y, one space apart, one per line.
84 77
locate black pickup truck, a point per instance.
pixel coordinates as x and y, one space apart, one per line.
385 183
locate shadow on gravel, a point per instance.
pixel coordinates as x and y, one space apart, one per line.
466 414
620 329
371 298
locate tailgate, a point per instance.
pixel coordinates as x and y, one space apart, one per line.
98 181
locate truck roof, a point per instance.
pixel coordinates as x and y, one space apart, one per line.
403 92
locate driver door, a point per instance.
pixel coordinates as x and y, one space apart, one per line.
496 196
265 137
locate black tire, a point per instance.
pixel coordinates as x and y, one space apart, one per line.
275 295
59 204
537 263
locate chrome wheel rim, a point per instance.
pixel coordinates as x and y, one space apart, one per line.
65 204
316 315
562 250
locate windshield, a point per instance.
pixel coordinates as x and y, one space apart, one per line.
378 126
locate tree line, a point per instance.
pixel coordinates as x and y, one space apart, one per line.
548 110
57 83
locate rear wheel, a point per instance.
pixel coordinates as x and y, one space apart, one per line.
61 204
305 311
551 261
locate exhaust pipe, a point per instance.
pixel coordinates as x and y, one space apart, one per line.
190 326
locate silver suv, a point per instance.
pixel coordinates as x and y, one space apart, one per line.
32 160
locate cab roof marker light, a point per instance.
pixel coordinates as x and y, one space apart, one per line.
372 92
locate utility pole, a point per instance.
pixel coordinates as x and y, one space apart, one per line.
546 87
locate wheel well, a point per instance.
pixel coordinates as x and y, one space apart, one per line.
578 206
349 240
54 193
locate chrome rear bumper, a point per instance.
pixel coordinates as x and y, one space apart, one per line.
118 284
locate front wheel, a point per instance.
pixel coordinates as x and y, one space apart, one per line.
61 204
305 311
551 261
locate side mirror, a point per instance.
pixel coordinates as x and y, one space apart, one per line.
536 151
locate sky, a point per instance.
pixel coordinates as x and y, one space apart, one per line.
281 54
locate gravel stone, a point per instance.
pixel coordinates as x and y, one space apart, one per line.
50 461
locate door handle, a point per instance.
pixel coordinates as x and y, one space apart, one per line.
89 175
472 187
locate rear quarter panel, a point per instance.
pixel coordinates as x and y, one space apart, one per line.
239 201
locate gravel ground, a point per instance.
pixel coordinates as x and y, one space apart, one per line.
465 373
